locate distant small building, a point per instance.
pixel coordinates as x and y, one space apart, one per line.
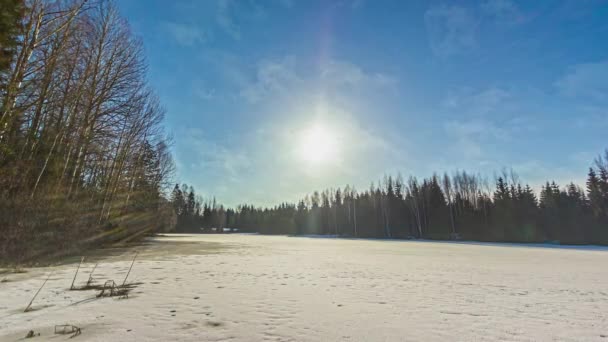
217 230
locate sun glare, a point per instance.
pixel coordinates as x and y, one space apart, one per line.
317 145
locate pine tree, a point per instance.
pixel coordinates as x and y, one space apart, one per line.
594 192
501 193
503 216
177 199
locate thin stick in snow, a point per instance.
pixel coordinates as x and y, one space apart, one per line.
37 292
125 281
75 274
91 275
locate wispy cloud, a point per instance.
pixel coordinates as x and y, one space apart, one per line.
225 18
211 166
185 34
471 135
217 158
280 76
484 118
451 29
272 76
454 29
588 81
206 94
477 102
503 11
201 90
346 73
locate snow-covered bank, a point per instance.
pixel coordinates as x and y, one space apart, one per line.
254 288
463 242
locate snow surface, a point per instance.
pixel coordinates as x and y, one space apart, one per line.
276 288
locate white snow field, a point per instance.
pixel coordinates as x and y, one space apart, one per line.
276 288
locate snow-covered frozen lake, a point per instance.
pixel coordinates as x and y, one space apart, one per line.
277 288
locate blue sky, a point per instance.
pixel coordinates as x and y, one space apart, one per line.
403 86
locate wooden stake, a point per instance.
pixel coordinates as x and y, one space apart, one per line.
72 286
91 275
32 301
125 281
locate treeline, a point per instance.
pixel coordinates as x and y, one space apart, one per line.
461 206
194 215
83 155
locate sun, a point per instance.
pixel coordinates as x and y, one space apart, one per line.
317 145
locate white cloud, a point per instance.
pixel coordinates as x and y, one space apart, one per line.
185 34
205 93
470 136
215 157
477 103
482 119
225 18
277 77
272 77
451 29
346 73
588 81
503 11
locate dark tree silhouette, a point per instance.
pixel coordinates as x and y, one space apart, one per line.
458 207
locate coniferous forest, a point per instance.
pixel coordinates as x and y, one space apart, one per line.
461 206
